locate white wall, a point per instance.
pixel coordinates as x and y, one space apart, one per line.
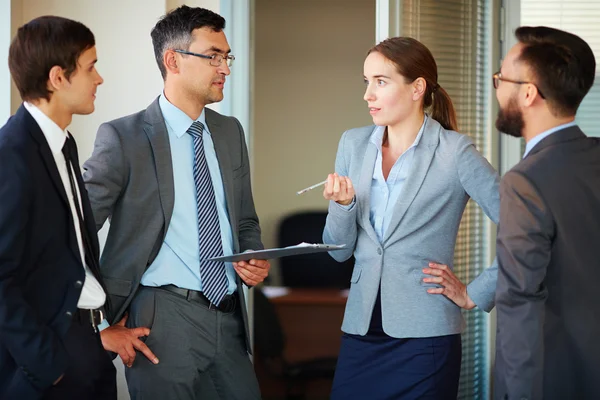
16 19
125 56
5 37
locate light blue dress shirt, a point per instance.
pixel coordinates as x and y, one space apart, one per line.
384 194
531 144
178 262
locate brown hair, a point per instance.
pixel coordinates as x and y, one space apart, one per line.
563 66
41 44
414 60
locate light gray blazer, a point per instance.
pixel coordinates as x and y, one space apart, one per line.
129 179
446 171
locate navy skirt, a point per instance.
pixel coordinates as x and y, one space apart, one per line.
377 366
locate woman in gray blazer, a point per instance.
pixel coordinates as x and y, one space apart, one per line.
396 201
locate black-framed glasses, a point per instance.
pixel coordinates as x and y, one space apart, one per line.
497 77
215 59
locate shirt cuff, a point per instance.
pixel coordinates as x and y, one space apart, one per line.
103 325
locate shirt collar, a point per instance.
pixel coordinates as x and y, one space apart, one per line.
176 119
531 144
377 135
55 136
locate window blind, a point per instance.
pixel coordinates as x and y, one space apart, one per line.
458 33
582 18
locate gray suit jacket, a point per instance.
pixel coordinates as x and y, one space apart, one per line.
129 179
549 269
447 170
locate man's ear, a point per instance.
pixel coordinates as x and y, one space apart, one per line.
171 62
531 94
56 78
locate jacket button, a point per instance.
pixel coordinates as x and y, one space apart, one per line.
69 314
78 284
379 251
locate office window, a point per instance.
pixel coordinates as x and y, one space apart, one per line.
582 18
458 32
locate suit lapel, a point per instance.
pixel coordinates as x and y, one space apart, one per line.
36 132
157 134
423 156
48 159
219 139
363 189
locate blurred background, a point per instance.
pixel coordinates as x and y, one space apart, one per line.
296 87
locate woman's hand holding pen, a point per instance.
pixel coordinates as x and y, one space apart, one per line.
339 189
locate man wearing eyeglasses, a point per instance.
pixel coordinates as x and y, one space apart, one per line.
549 231
174 179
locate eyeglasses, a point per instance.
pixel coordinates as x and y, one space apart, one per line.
497 77
215 60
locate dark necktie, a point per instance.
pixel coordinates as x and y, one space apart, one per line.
67 151
212 273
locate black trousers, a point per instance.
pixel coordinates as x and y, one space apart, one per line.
91 374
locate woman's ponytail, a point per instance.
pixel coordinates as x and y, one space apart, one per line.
442 109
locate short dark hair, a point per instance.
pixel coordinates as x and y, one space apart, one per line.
562 63
174 30
41 44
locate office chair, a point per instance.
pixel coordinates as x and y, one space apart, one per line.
270 344
310 270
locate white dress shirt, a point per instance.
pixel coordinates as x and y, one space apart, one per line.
92 294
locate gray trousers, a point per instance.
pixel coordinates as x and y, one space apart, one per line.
202 352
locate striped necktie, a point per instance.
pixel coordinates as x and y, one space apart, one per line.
212 273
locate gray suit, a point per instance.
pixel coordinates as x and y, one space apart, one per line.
447 170
549 269
129 179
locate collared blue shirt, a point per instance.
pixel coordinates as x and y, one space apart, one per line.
531 144
384 194
178 262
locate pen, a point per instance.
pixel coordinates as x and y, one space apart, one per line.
316 185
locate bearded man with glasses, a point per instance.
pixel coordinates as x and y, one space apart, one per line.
549 230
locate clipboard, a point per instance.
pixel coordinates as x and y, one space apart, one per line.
302 248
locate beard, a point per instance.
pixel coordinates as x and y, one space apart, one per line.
510 120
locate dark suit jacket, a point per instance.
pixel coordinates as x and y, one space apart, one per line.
549 269
130 179
41 273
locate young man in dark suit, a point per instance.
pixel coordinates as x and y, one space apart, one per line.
52 297
549 230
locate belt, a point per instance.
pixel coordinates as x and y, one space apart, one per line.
227 304
93 317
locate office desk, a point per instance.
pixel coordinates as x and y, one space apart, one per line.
311 320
